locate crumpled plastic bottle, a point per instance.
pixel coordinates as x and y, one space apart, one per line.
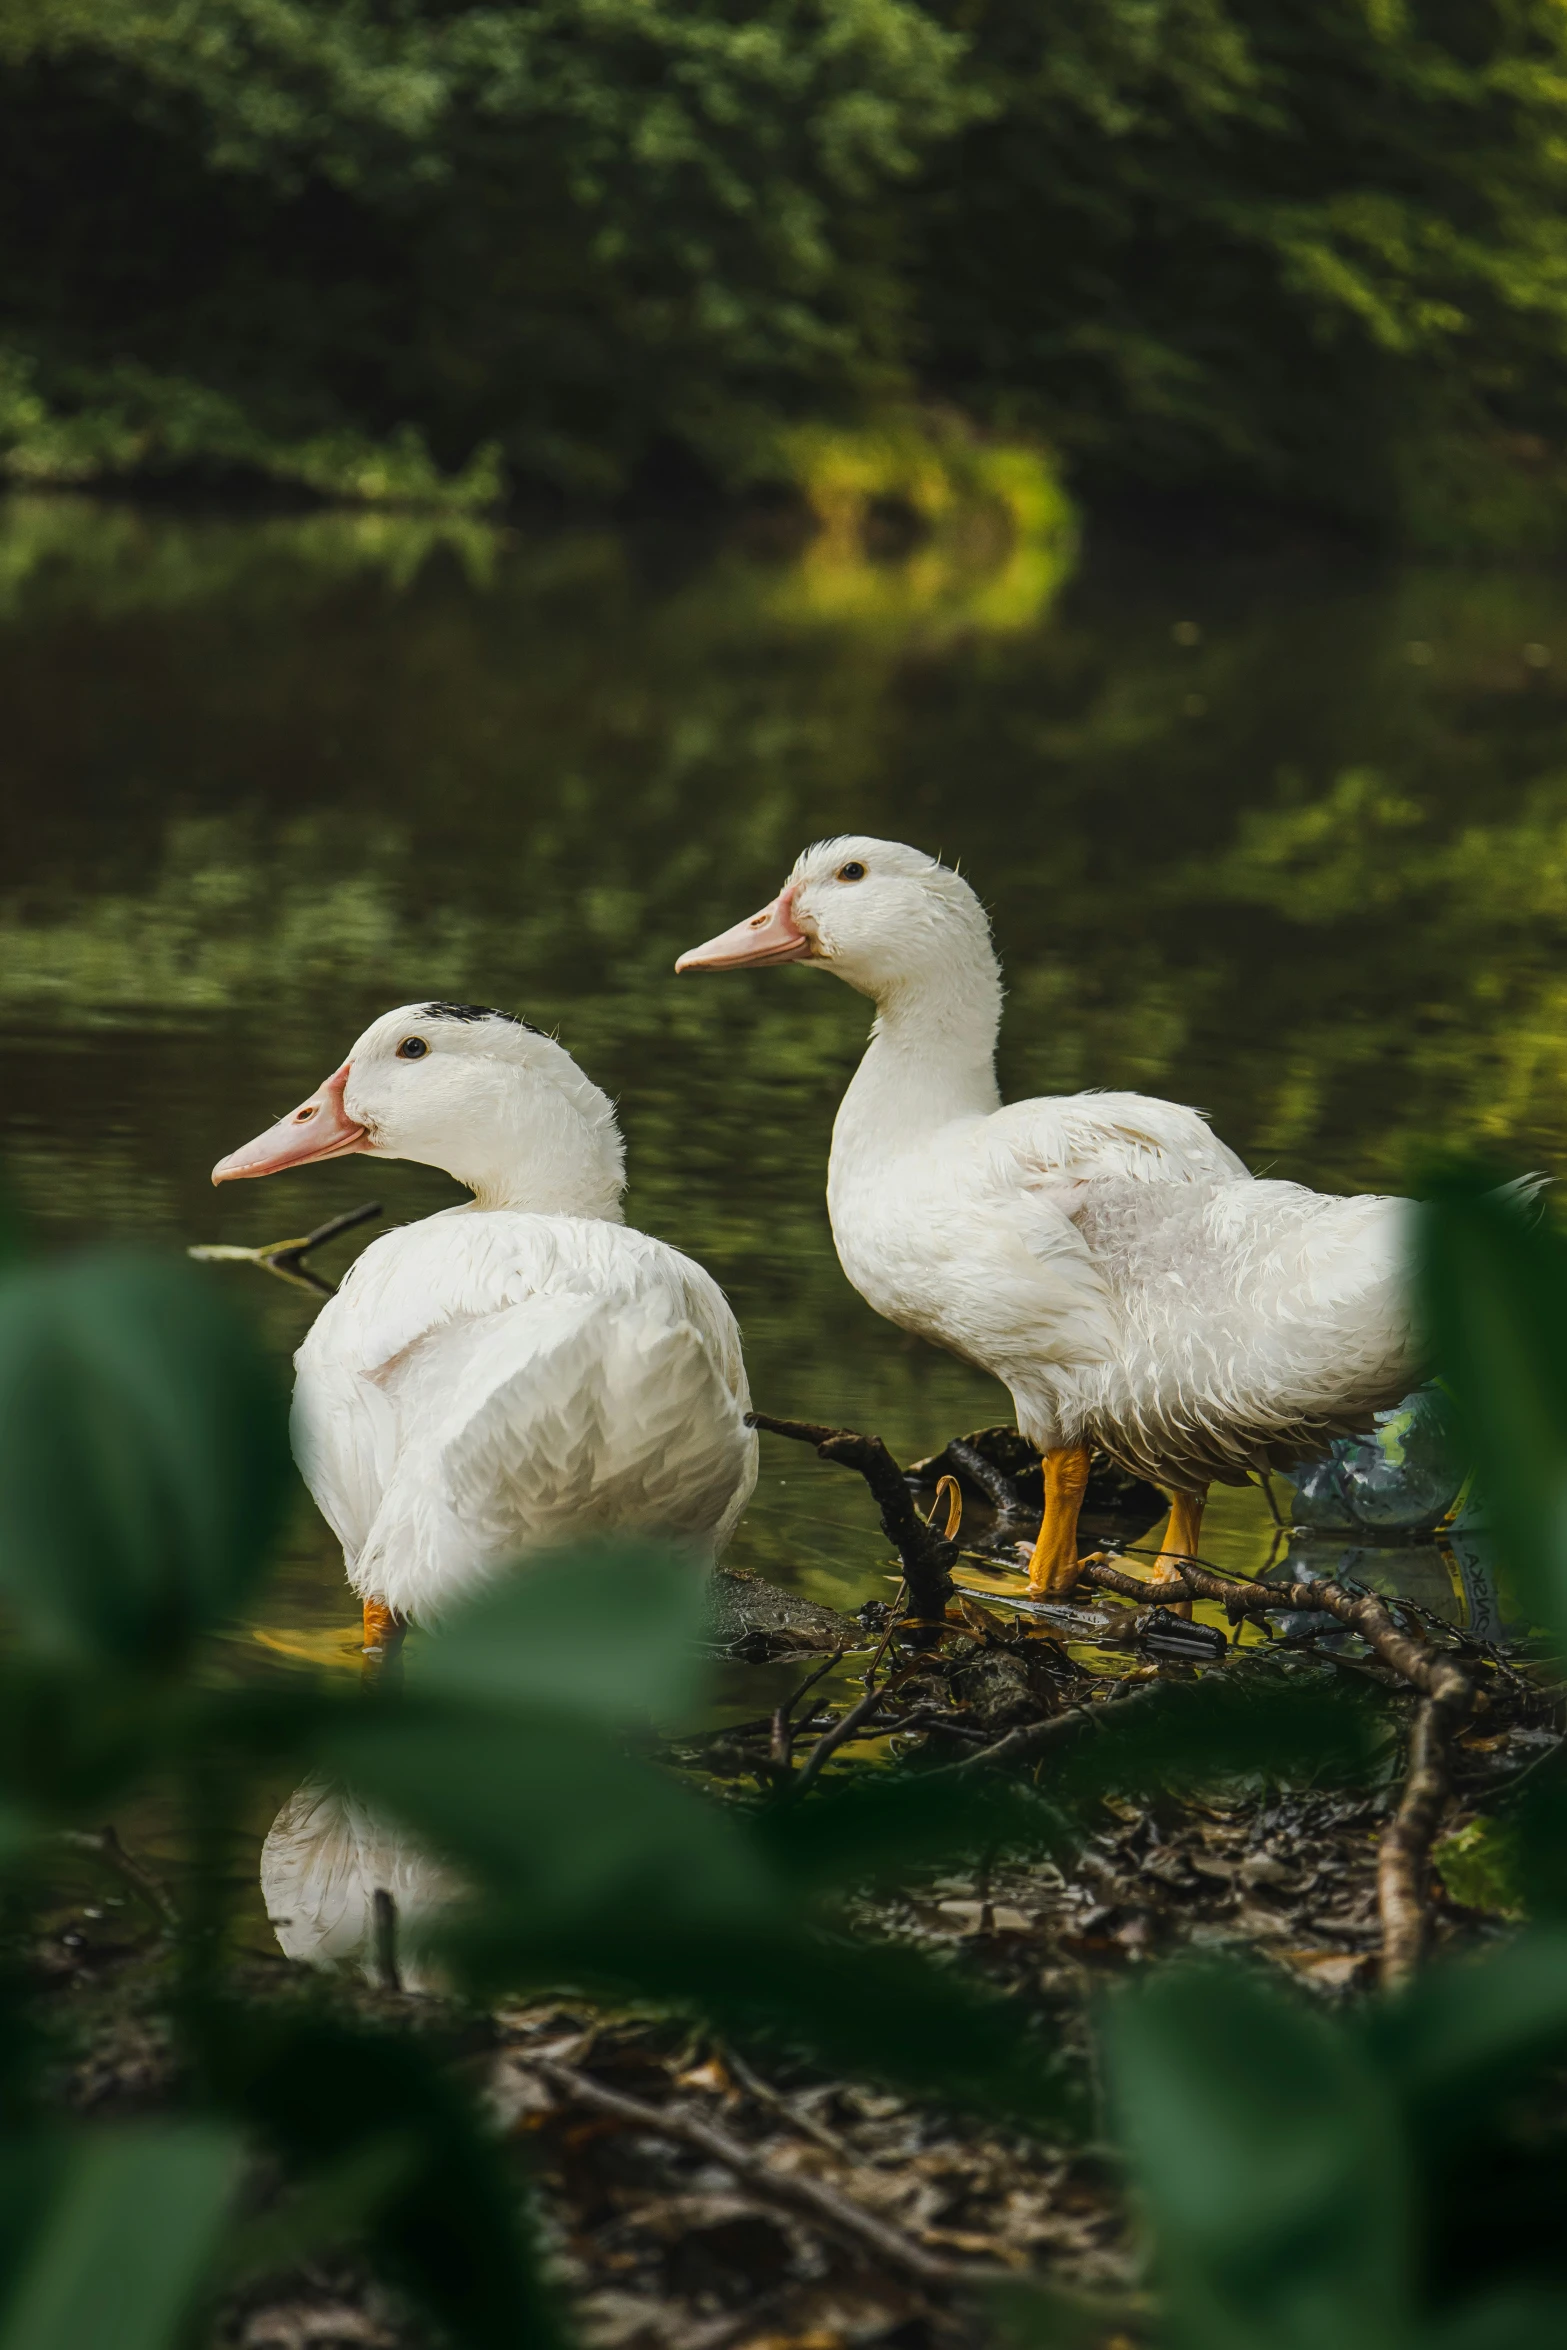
1406 1477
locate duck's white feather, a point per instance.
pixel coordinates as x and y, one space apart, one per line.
1252 1321
1094 1136
490 1382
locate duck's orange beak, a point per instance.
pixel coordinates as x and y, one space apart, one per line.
772 936
319 1129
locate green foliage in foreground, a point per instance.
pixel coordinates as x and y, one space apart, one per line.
142 1466
1388 2181
381 251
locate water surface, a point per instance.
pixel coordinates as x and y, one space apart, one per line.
1283 834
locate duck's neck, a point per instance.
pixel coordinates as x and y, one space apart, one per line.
532 1191
931 1059
547 1161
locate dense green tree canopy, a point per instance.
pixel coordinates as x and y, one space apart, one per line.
1313 250
1320 252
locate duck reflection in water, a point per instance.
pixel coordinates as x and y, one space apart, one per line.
325 1860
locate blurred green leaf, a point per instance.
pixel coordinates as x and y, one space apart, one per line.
1538 1817
337 2207
1030 2316
859 2007
611 1633
1464 2034
33 2157
1517 2317
1184 1734
1493 1292
14 1234
1268 2158
143 1458
551 1813
1473 2054
881 1831
1479 1865
449 2225
1247 1720
20 1834
73 1738
603 1871
128 2240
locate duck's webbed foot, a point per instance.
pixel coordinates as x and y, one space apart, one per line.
1179 1548
1052 1570
384 1631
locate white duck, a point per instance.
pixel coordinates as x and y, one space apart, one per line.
1103 1254
519 1371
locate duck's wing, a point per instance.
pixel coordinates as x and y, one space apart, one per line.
1256 1320
410 1285
1088 1137
1320 1291
601 1389
1047 1163
343 1428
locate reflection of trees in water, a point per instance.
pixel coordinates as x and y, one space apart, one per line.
271 776
72 554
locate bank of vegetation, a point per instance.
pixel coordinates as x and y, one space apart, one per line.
430 252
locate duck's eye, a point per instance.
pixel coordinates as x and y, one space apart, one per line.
853 871
412 1048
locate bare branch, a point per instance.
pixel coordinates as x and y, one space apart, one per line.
827 2206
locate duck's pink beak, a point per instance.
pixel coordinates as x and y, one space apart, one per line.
319 1129
772 936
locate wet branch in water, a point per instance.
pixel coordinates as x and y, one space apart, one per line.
1446 1691
286 1258
928 1557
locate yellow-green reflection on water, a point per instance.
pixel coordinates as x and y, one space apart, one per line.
1284 835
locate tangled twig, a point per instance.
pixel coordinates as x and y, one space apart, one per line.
785 1729
1446 1691
850 1724
105 1845
928 1557
286 1258
1413 1659
1404 1856
1447 1695
826 2206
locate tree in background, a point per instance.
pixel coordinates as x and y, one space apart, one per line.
267 231
411 249
1317 252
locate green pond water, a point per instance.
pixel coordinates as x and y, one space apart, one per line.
1281 833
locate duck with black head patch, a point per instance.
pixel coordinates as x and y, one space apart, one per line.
518 1372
